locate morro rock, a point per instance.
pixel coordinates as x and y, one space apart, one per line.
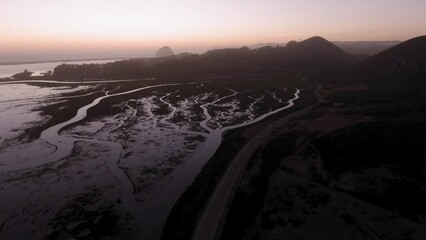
164 52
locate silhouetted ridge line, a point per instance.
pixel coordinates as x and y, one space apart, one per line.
311 55
407 57
317 51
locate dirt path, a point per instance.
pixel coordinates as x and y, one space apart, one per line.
210 223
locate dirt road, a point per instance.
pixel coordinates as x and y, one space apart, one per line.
210 223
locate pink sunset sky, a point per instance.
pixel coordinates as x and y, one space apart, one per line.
58 29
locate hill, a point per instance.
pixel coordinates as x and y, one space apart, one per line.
312 55
316 51
309 56
407 57
404 63
361 151
164 52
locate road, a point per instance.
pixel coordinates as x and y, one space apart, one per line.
210 224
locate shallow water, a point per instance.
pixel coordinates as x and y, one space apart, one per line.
38 68
132 154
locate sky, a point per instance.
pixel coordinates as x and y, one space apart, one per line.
72 29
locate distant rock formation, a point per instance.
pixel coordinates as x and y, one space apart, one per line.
164 52
23 75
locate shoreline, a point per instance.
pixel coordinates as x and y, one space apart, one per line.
60 60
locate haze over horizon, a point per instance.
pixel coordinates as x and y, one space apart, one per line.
60 29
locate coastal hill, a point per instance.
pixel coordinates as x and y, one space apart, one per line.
403 64
164 52
316 51
311 55
407 57
365 48
362 151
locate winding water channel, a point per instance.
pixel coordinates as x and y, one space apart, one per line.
161 200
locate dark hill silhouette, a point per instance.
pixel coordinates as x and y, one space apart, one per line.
314 54
310 56
321 45
389 89
404 63
164 52
407 57
316 51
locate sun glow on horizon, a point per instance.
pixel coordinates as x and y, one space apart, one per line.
100 25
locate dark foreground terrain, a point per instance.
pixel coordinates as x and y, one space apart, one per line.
351 168
346 161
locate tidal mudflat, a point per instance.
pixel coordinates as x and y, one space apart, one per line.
123 155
